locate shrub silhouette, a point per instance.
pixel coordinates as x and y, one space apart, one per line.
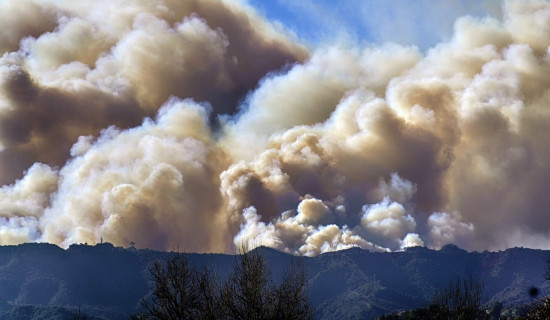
249 293
181 291
540 309
460 299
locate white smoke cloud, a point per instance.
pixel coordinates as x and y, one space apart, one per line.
152 185
305 233
332 238
256 233
15 230
29 196
397 189
312 211
412 240
448 228
23 203
387 219
381 148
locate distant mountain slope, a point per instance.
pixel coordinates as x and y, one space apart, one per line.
42 281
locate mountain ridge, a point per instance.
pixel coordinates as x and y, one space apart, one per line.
108 282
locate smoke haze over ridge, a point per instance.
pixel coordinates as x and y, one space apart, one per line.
200 125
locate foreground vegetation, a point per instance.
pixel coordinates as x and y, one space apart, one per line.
182 291
462 300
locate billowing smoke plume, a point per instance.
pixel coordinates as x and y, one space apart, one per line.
197 125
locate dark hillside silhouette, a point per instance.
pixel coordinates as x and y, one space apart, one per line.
108 282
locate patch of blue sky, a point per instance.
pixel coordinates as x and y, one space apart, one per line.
422 23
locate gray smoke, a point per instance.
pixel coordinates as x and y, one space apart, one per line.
197 125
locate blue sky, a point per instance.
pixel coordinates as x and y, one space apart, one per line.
422 23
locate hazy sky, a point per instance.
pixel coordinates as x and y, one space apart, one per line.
421 23
199 125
